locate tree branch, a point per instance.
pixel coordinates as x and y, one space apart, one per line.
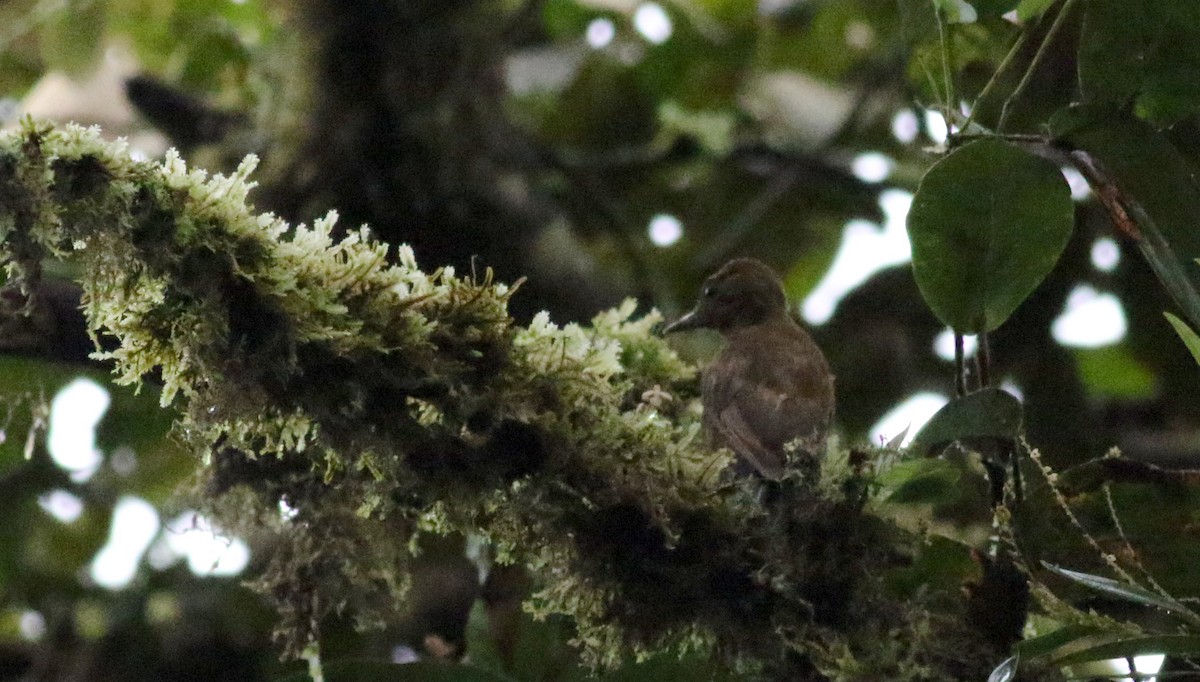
376 400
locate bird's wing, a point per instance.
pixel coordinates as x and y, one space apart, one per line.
733 403
765 400
740 438
792 393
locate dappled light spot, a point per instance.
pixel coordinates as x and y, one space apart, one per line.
74 414
62 505
1113 668
600 32
935 125
134 525
859 35
1150 663
286 511
865 250
665 229
871 167
32 625
960 12
1080 189
402 654
123 461
910 414
652 22
1106 255
943 344
905 126
895 204
1091 319
208 551
1015 390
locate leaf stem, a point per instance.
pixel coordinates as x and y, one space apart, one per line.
960 367
947 74
987 88
1038 58
983 358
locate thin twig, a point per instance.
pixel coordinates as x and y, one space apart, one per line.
960 367
947 74
1112 513
1052 479
983 356
987 88
1038 58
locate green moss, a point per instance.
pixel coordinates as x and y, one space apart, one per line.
376 399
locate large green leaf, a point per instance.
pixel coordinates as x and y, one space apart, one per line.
1189 337
1032 9
1115 372
923 481
1127 591
940 564
987 413
1179 645
1051 641
987 224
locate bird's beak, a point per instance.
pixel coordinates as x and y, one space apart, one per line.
689 321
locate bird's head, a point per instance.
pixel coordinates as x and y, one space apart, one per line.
742 293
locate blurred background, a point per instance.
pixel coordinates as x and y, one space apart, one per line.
601 148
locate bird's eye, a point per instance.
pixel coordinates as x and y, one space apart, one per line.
709 292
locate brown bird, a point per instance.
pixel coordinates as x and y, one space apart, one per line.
771 384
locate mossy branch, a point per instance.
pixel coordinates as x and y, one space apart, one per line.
375 400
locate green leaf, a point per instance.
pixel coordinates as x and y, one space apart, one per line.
1156 186
922 481
1043 645
987 224
1115 372
1126 591
994 7
1190 339
956 11
941 564
212 54
566 19
987 413
1032 9
1176 645
533 650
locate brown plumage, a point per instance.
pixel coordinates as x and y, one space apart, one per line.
771 384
